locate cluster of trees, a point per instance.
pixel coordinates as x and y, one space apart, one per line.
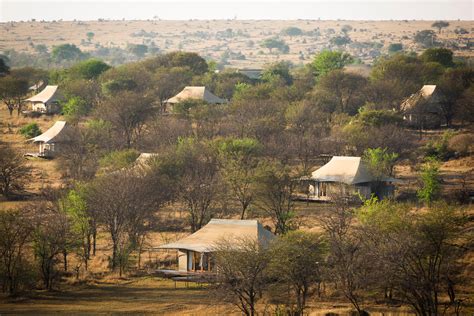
382 251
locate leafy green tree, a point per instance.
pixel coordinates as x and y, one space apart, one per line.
278 71
395 47
440 25
75 108
119 159
90 36
192 61
327 61
275 43
430 179
425 38
297 266
138 50
239 161
30 130
442 56
292 31
88 69
340 40
380 161
12 92
66 52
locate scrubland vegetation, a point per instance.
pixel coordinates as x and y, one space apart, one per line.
97 223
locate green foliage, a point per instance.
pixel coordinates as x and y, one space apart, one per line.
378 118
386 214
113 86
90 36
68 52
30 130
327 61
340 40
76 107
380 162
118 159
279 71
430 188
438 148
442 56
440 25
292 31
426 38
88 69
395 47
138 50
184 107
272 43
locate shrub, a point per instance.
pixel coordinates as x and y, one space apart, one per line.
31 130
462 145
438 148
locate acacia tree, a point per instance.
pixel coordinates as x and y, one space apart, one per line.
13 171
16 231
296 265
440 25
127 112
242 267
12 92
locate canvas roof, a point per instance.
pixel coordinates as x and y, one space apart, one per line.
49 93
56 133
207 238
426 92
344 169
196 93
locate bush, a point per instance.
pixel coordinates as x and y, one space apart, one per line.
31 130
438 148
462 145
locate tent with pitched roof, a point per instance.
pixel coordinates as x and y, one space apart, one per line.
423 107
195 250
196 93
47 101
50 140
349 175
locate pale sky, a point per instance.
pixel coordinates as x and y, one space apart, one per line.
18 10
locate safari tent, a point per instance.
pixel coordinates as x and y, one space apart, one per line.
50 141
195 251
195 93
347 176
47 101
423 108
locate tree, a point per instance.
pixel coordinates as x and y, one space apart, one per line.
278 71
30 130
440 25
75 108
340 40
4 69
272 43
12 92
327 61
13 171
297 264
442 56
238 158
168 82
274 197
138 50
292 31
15 229
66 52
242 266
90 36
395 47
127 112
425 38
88 69
430 181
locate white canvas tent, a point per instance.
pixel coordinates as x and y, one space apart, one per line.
196 93
49 141
47 101
351 172
423 107
194 251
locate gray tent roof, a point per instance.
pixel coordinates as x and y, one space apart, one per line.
57 133
207 238
345 169
48 94
196 93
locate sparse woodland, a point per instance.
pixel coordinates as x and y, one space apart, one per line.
241 160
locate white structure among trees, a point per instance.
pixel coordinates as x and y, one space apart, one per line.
47 101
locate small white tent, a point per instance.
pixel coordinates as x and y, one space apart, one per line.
48 141
196 93
194 251
47 101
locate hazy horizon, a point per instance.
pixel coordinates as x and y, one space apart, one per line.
69 10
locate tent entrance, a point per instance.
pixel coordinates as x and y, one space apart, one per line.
199 261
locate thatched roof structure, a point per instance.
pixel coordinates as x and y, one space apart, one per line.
208 238
196 93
